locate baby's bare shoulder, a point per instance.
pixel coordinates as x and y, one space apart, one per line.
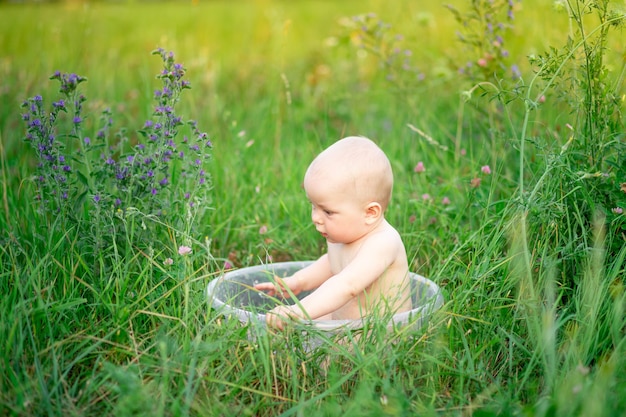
385 238
386 232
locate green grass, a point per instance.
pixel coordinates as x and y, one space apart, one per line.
533 322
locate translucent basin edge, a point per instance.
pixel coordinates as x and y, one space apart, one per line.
418 314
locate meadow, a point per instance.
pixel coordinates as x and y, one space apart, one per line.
503 122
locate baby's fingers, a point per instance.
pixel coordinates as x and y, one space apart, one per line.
272 289
274 320
266 286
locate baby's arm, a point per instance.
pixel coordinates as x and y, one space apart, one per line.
370 263
305 279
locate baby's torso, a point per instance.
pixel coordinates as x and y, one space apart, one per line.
390 290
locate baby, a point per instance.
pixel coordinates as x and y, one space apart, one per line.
365 268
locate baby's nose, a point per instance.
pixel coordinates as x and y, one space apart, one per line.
315 217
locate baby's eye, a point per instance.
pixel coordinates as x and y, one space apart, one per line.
329 213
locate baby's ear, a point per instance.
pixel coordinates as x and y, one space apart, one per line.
373 211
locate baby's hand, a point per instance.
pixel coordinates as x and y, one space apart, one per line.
278 289
279 316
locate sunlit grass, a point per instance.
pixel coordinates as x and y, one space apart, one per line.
534 315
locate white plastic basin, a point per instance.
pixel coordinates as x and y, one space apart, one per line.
233 295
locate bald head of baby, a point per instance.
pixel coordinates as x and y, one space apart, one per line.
356 167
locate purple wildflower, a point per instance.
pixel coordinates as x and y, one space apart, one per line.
516 72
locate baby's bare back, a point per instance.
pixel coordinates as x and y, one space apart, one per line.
389 291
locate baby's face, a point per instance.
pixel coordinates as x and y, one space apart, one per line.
336 213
